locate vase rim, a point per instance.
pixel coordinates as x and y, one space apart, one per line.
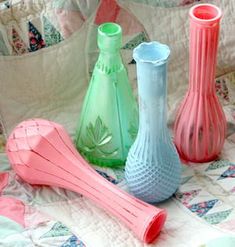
109 29
153 52
205 13
109 36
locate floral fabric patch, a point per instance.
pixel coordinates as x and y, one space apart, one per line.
36 41
18 45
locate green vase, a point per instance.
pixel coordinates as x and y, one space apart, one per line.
109 119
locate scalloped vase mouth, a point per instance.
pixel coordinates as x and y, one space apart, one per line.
205 13
151 52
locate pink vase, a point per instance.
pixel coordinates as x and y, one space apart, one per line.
41 152
200 125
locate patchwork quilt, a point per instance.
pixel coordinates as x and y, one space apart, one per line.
47 53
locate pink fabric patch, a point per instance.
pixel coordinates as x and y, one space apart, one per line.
12 209
69 21
228 225
3 181
34 217
107 12
130 25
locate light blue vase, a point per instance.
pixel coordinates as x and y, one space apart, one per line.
153 167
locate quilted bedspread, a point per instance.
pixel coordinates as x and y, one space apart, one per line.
47 53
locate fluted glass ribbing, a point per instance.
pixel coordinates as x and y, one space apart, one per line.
153 166
200 124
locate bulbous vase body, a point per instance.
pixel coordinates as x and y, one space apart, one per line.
153 167
200 124
42 153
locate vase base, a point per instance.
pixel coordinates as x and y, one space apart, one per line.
158 198
111 163
190 162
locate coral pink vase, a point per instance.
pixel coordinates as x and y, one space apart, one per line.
41 152
200 125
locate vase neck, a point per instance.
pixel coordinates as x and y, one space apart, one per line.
152 95
109 62
203 52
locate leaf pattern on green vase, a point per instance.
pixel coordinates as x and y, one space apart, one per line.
97 137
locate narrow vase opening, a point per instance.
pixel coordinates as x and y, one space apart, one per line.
155 227
109 29
205 13
109 36
152 52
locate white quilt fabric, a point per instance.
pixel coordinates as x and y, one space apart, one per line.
51 84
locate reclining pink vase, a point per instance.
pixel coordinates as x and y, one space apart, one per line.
41 152
200 126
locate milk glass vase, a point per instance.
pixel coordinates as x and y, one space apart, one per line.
109 118
153 166
200 125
